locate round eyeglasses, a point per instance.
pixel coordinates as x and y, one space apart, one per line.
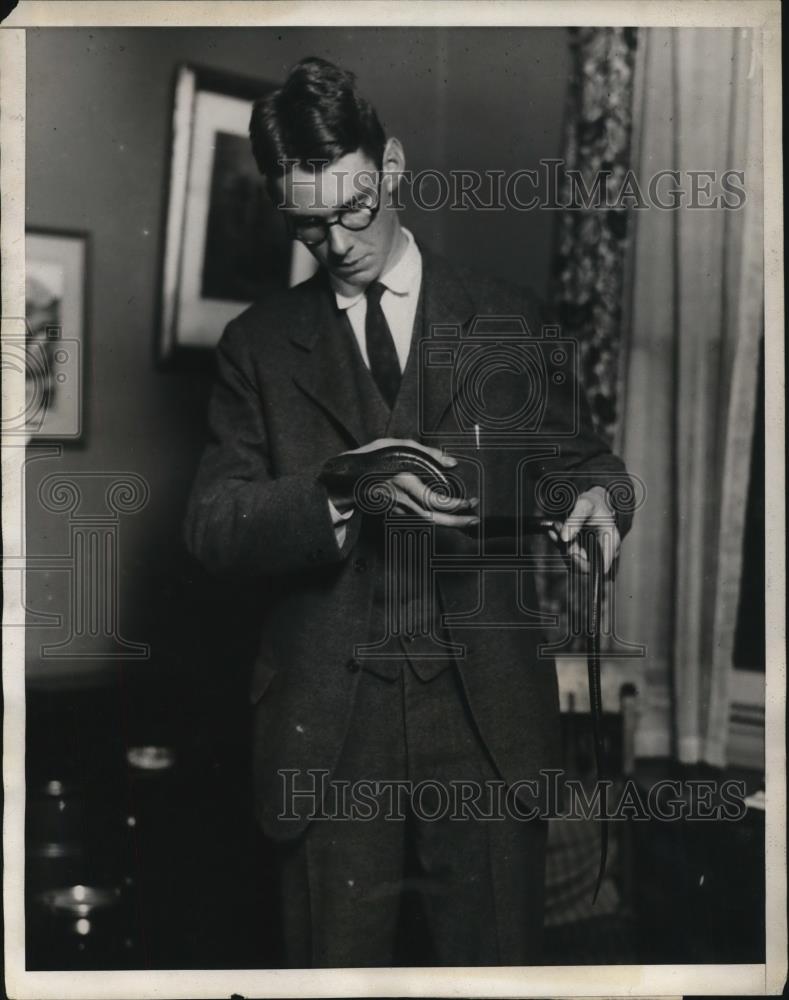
313 230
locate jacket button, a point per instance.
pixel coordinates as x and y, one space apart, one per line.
353 665
360 565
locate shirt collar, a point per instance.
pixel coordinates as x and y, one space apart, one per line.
402 278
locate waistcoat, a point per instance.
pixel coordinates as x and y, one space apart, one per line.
405 619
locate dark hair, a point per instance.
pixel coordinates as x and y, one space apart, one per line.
315 115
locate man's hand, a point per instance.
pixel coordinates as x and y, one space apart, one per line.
592 510
411 495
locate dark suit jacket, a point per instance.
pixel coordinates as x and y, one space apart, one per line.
282 405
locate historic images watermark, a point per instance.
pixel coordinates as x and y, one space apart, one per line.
552 795
551 186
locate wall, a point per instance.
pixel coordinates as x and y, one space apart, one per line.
98 120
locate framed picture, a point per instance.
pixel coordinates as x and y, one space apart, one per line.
55 314
225 243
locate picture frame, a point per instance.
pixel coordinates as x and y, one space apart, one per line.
225 244
56 294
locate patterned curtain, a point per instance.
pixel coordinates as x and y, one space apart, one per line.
588 282
592 233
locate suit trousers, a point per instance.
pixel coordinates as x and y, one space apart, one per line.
475 884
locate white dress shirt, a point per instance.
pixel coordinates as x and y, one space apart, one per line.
402 282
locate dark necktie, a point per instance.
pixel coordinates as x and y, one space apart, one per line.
384 366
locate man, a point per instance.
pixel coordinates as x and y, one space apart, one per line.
365 678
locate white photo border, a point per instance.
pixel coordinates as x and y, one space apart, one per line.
642 980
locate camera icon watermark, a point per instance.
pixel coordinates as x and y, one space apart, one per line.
507 404
49 366
503 381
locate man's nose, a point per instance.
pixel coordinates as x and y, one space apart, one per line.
339 241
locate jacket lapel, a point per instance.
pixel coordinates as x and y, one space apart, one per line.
446 304
325 369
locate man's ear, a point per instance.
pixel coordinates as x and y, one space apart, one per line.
394 162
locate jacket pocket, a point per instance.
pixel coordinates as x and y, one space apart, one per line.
262 675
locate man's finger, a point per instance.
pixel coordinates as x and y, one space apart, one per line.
405 502
580 563
604 540
580 512
577 552
609 540
428 498
452 520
